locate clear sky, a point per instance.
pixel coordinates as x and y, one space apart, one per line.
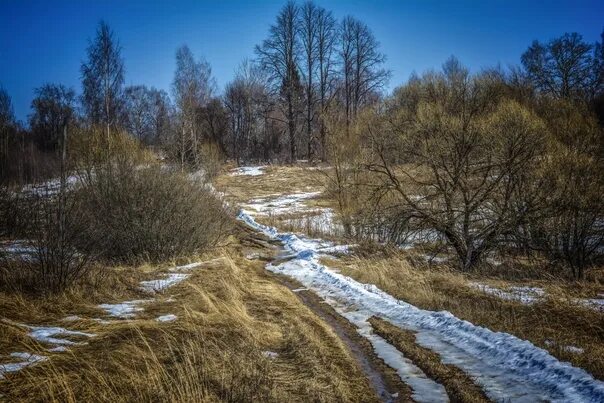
45 41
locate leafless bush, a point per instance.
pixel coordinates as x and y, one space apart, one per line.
150 213
50 258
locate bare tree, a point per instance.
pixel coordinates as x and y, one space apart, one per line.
52 107
362 62
7 120
309 34
247 101
103 79
325 54
564 67
192 87
147 113
278 56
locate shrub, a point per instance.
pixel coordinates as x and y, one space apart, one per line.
50 258
150 214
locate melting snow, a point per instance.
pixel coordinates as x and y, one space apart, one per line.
28 358
525 295
270 354
124 309
166 318
285 204
45 334
162 284
249 171
506 367
58 349
593 303
189 266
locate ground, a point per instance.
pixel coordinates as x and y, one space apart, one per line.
288 310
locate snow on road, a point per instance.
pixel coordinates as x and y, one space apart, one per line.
508 368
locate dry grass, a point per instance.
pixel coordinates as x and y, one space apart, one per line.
230 313
554 320
275 180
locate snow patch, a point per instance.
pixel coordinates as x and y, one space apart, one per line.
45 334
58 349
186 267
525 295
592 303
124 309
270 354
167 318
162 284
28 358
248 171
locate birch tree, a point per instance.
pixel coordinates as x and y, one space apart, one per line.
103 80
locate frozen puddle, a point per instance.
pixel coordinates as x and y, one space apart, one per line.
508 368
27 359
248 171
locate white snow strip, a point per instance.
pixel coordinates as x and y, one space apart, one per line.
573 349
124 309
45 334
507 367
162 284
592 303
248 171
167 318
28 358
525 295
50 187
58 349
71 318
299 289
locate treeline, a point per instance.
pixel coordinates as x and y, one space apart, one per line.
273 109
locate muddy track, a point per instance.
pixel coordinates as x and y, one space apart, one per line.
384 380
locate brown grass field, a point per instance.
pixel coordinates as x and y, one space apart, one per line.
243 335
231 314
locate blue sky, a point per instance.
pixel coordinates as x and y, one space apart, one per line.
45 41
